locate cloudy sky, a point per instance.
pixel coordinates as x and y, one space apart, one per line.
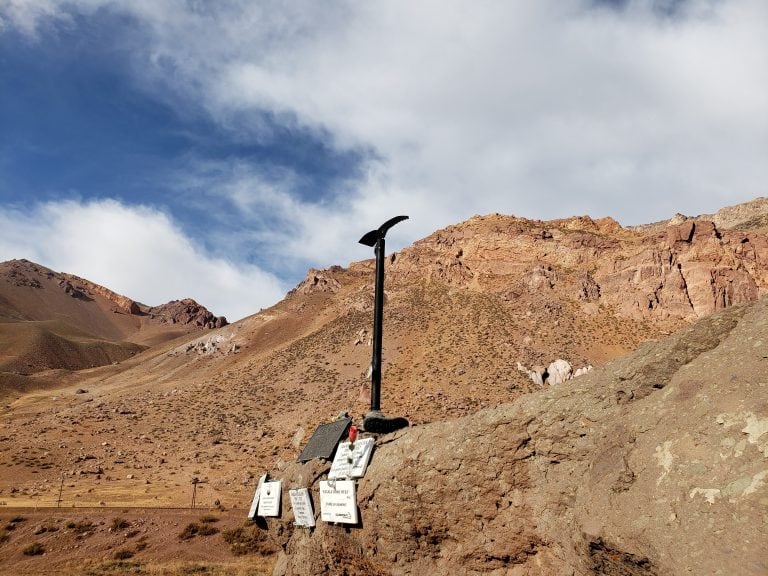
216 150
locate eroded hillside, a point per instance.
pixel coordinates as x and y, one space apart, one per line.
465 309
52 324
652 464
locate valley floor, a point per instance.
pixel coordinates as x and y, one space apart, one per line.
137 541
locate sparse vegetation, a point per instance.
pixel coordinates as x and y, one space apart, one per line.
123 554
194 569
197 529
119 567
34 549
13 522
116 567
207 530
82 527
190 531
119 523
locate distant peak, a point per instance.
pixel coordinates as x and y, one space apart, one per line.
187 311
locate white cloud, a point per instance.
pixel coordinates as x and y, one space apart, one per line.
542 109
294 233
27 15
136 251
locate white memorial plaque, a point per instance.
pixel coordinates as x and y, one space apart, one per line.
302 507
361 455
255 503
338 502
269 500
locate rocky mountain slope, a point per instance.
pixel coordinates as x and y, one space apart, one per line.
656 463
54 321
466 309
749 216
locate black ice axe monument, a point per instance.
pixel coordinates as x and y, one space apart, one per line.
375 421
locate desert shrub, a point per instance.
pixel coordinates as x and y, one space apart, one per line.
123 554
207 530
248 540
80 527
34 549
194 529
119 524
14 521
190 531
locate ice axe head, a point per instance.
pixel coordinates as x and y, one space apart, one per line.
372 237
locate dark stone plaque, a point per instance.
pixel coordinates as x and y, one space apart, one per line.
325 439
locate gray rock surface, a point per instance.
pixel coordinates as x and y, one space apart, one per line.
654 464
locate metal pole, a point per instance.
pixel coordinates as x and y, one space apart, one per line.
375 421
378 321
194 490
61 489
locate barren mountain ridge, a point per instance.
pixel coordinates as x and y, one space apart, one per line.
473 314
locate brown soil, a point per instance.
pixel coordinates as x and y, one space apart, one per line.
81 541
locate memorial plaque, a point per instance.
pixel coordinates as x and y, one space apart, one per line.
269 500
338 502
302 507
324 440
255 503
361 455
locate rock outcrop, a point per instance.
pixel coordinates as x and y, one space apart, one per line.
73 283
24 273
654 464
318 281
185 312
556 373
671 275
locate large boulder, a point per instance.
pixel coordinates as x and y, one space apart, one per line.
654 464
559 371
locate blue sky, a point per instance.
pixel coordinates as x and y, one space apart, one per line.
173 148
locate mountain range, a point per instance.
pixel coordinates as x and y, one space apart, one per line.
127 403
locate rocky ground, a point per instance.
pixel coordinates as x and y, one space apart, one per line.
104 541
655 464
